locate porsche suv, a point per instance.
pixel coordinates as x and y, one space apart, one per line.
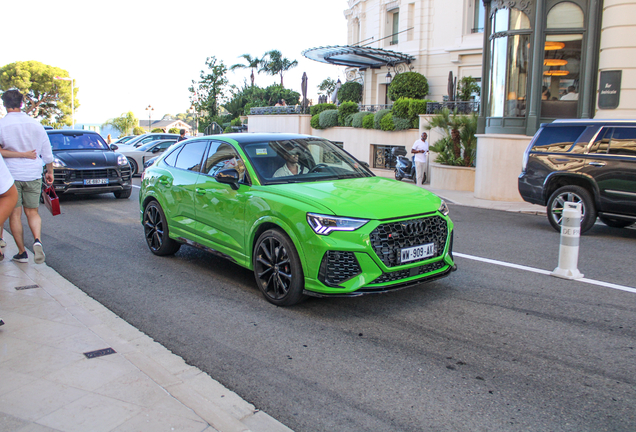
84 164
588 161
304 215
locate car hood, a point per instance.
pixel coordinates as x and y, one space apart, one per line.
87 158
367 198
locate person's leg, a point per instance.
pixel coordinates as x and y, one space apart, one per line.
15 223
30 203
419 173
7 204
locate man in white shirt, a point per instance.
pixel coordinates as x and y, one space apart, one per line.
291 167
571 94
420 150
20 133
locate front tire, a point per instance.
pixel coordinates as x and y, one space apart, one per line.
134 168
156 231
277 269
123 194
575 194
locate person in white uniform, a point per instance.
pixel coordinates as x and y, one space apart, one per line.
420 150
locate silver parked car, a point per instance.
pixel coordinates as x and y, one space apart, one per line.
138 156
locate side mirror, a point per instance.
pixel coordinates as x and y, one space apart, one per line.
228 176
365 164
113 147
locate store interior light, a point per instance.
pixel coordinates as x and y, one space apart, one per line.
556 72
551 46
554 62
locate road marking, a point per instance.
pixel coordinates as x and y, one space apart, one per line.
545 272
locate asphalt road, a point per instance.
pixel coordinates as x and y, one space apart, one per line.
490 348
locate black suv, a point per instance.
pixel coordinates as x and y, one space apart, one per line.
588 161
84 164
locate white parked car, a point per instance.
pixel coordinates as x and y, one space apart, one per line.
138 156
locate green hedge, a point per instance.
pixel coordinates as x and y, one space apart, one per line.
402 123
408 84
356 121
317 109
345 109
315 121
350 91
328 119
386 124
409 108
368 121
378 116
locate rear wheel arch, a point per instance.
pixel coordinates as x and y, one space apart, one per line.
555 182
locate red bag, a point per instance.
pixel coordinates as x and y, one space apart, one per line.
51 200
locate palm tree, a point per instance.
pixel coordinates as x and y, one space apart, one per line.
252 63
275 64
459 131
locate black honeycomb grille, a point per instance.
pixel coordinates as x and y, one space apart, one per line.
388 239
93 174
403 274
337 267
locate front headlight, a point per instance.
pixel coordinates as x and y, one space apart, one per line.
122 160
443 208
57 163
324 224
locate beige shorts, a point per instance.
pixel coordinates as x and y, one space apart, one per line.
29 193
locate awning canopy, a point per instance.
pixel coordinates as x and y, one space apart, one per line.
355 56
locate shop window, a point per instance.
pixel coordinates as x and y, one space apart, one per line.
565 15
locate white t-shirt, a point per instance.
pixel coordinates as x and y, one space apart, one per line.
570 96
420 145
6 181
285 172
19 132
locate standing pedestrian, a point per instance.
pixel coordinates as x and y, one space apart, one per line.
420 150
21 133
182 136
109 140
8 199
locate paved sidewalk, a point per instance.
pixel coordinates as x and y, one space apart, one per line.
47 382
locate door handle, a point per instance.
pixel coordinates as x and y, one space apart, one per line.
597 164
200 191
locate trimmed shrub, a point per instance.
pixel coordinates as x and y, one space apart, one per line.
350 91
317 109
368 121
345 109
328 119
157 130
378 116
139 130
174 130
402 123
348 120
408 84
386 124
401 107
315 121
357 118
236 122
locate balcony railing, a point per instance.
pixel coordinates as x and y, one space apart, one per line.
462 107
374 108
292 109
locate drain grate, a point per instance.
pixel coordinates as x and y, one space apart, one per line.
25 287
99 353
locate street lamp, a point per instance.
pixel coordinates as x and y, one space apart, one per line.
72 96
150 110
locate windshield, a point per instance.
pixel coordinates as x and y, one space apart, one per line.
124 139
302 160
77 141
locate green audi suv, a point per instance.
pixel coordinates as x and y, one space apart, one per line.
303 214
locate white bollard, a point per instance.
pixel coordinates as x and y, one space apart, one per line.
569 249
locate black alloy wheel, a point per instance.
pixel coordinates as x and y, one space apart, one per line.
156 231
277 269
575 194
134 168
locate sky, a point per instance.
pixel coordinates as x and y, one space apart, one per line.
128 54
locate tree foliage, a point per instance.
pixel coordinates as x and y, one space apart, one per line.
44 96
275 64
466 87
350 91
408 84
125 123
459 144
250 63
327 86
208 92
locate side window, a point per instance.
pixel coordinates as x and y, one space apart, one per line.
222 156
165 145
623 142
557 139
172 157
602 142
191 155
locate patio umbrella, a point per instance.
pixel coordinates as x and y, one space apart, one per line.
303 87
451 87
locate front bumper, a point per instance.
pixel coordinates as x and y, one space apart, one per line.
79 181
367 261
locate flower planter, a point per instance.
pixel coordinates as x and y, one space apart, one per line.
448 177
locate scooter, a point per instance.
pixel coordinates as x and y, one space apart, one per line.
404 167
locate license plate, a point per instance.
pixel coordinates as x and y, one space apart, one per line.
417 252
95 181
